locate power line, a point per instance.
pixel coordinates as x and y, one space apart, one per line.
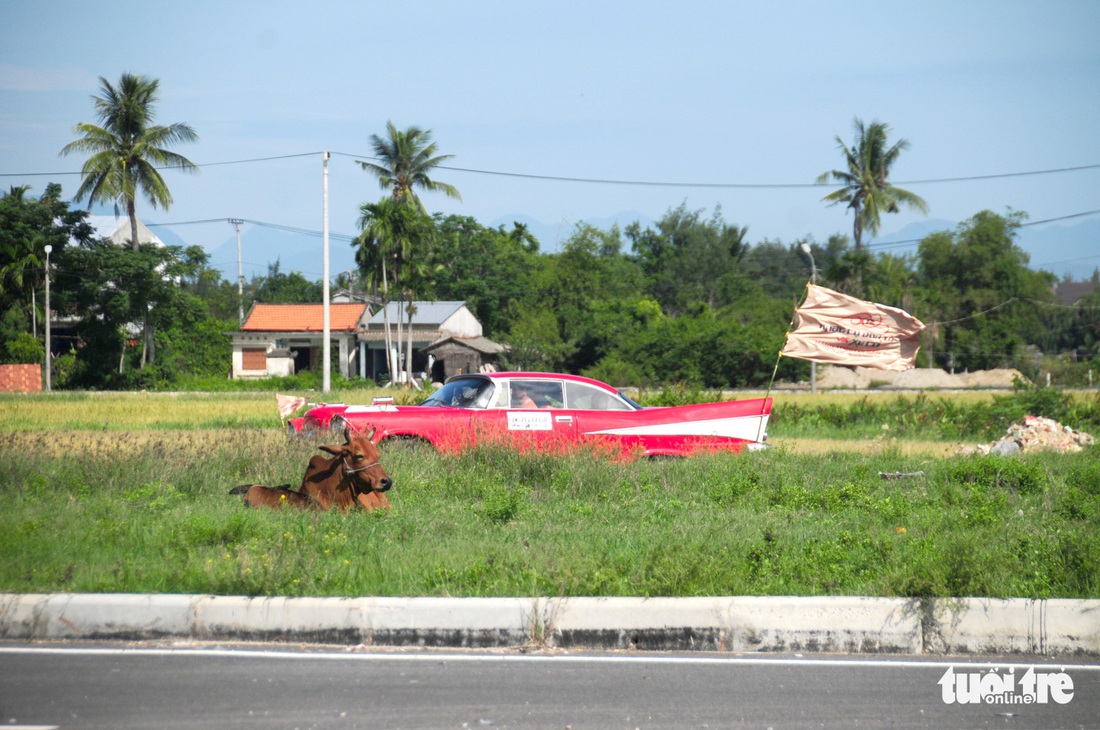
906 242
763 186
264 224
612 181
171 167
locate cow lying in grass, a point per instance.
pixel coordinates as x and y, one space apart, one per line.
352 476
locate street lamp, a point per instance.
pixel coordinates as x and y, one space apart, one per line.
49 359
813 280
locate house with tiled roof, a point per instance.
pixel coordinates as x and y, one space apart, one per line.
282 339
433 323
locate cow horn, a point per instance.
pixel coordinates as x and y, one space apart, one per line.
347 434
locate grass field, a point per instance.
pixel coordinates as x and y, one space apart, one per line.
129 493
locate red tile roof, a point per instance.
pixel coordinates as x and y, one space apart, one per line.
302 317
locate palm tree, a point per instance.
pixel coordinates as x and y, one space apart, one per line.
124 153
127 147
866 189
407 159
391 229
521 235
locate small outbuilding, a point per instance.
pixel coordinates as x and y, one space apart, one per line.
453 355
431 325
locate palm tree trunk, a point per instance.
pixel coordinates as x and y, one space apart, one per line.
148 351
409 359
386 321
397 358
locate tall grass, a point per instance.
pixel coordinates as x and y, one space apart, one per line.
148 511
967 416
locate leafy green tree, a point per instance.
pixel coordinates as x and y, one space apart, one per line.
489 268
125 148
866 188
406 161
109 288
581 285
779 269
280 288
534 341
688 258
27 226
977 283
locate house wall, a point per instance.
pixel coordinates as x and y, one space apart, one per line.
462 323
251 365
251 360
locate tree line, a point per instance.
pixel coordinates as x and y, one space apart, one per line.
687 300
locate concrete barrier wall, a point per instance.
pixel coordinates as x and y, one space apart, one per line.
730 624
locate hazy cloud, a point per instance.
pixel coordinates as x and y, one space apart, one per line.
65 78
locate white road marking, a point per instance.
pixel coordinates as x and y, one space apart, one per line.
397 656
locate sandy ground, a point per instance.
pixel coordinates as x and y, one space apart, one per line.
830 377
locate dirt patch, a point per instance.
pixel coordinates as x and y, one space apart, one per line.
832 377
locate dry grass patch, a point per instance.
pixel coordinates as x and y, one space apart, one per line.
91 444
866 447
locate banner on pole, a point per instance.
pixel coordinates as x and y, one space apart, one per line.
288 404
838 329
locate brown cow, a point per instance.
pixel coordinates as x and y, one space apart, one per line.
352 476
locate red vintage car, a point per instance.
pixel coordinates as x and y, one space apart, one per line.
547 411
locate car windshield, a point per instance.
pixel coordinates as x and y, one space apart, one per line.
630 400
462 393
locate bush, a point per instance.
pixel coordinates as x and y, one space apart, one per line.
997 472
23 349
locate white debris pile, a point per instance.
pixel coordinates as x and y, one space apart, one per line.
1033 433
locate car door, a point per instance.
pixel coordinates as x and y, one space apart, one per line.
534 413
595 411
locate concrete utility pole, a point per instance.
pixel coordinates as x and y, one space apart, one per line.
240 274
49 357
813 280
326 379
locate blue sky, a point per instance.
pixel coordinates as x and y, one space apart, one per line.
707 93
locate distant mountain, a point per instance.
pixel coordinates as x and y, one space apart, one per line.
1071 249
262 247
552 236
1066 250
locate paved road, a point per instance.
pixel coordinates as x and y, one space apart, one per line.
106 686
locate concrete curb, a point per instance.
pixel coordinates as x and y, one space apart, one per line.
728 624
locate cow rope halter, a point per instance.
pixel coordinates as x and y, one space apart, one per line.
348 470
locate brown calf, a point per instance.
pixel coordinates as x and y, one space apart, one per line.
352 476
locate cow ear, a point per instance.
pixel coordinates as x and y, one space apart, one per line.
334 450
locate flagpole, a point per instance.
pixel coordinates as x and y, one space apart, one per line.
775 370
813 280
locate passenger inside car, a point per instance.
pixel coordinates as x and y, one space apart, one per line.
522 399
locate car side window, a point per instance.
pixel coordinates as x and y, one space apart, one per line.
585 397
537 394
500 397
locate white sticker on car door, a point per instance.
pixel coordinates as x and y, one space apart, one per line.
529 421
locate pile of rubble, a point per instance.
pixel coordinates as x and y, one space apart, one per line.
1033 433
